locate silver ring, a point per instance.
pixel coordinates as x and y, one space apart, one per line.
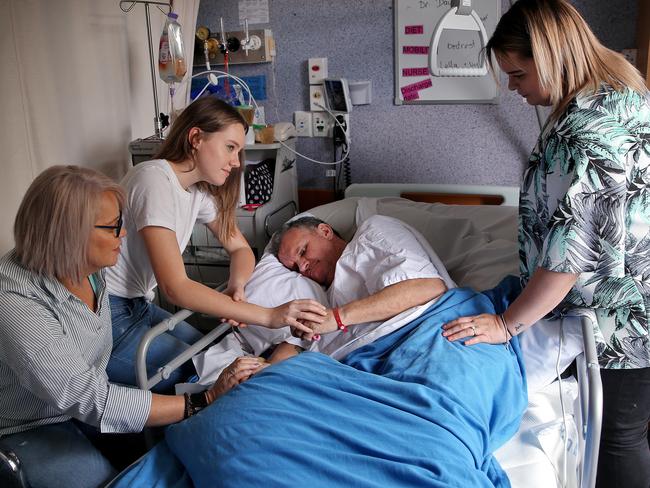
473 329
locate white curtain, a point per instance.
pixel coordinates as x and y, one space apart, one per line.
76 88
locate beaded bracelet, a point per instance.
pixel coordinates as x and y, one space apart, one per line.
337 317
505 327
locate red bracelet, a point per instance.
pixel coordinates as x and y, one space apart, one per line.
337 317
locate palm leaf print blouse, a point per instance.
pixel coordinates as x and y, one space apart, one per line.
585 208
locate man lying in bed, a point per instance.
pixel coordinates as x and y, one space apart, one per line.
382 272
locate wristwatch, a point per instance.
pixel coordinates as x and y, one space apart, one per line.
194 402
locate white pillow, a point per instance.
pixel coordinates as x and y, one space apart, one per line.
539 347
477 244
271 285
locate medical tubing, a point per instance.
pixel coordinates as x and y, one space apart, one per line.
224 74
310 159
564 422
251 99
347 148
347 172
274 88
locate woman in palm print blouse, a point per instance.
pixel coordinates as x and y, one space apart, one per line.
584 220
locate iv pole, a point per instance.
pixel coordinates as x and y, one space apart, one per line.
157 119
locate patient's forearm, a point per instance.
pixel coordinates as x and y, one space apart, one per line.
392 300
284 351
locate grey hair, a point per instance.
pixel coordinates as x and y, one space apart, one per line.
309 223
56 217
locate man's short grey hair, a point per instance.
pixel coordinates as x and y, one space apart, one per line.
310 223
56 217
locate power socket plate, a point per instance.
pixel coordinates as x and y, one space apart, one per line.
316 97
321 123
303 123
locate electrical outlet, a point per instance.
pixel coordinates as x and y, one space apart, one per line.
316 97
303 123
321 124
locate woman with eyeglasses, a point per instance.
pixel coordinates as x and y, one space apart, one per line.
56 336
195 178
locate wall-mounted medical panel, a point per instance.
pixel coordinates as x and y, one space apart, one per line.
457 48
260 47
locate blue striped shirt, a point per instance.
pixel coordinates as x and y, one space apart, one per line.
53 356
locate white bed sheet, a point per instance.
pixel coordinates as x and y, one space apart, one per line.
534 458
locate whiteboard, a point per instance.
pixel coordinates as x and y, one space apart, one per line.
415 21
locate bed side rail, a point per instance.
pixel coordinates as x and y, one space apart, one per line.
591 403
165 371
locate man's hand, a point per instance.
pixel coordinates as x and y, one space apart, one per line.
316 328
237 372
296 312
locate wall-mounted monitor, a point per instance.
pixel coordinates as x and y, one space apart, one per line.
337 95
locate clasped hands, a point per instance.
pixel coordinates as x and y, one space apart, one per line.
294 313
315 329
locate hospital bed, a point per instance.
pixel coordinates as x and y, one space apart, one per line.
540 454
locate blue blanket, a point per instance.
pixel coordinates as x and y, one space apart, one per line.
410 409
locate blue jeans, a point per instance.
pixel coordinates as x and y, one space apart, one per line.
59 455
132 318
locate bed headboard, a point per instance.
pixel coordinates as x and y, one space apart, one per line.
439 193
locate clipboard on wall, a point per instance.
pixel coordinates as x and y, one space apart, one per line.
415 21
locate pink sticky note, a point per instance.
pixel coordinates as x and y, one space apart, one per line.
415 71
420 85
415 49
412 95
413 29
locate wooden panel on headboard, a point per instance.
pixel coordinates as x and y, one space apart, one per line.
454 198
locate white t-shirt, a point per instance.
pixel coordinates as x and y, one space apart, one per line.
384 251
154 197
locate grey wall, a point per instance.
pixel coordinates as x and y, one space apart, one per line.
472 144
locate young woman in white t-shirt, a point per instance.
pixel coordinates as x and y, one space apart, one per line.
195 179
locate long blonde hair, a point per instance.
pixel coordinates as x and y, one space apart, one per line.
568 56
55 219
210 115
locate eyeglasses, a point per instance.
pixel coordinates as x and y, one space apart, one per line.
116 228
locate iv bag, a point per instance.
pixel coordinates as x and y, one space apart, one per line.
171 58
